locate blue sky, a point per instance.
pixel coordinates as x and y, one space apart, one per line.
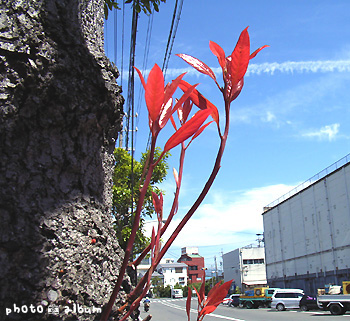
291 120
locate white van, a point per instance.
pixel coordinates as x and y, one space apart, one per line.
177 293
286 299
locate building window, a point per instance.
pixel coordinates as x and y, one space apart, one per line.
178 270
193 267
253 261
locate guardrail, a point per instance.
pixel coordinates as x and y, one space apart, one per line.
341 162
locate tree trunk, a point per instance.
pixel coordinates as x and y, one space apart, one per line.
60 115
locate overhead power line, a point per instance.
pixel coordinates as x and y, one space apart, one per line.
130 97
173 29
144 64
122 54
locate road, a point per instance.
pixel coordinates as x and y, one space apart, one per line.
174 310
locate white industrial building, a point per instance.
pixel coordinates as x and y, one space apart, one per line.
307 232
246 266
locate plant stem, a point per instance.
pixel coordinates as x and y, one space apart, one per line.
173 208
200 198
131 240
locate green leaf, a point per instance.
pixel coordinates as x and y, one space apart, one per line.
105 10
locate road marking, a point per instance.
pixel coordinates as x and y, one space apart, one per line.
195 311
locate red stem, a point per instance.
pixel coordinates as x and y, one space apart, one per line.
173 208
143 281
200 198
131 240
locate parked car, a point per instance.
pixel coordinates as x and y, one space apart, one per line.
231 300
286 299
234 300
308 302
227 300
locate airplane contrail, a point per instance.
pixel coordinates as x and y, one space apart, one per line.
271 68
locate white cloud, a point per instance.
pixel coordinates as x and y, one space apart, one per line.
293 105
227 217
269 117
271 68
328 132
300 67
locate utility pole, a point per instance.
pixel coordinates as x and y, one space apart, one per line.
260 239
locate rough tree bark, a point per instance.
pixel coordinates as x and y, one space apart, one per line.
60 114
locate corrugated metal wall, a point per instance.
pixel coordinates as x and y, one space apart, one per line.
307 237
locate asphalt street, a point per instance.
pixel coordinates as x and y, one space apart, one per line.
174 310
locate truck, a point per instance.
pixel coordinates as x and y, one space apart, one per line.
259 297
177 293
331 299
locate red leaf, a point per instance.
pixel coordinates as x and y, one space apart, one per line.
236 90
200 299
141 77
199 131
198 65
257 51
187 130
173 122
157 202
202 291
219 294
166 112
184 110
153 238
212 290
200 101
208 309
188 303
170 89
154 92
239 59
184 97
218 52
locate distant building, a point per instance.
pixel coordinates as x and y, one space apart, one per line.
246 266
143 267
195 263
145 264
307 232
173 273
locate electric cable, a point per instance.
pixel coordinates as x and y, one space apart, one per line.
170 34
115 40
122 54
174 34
144 66
130 96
